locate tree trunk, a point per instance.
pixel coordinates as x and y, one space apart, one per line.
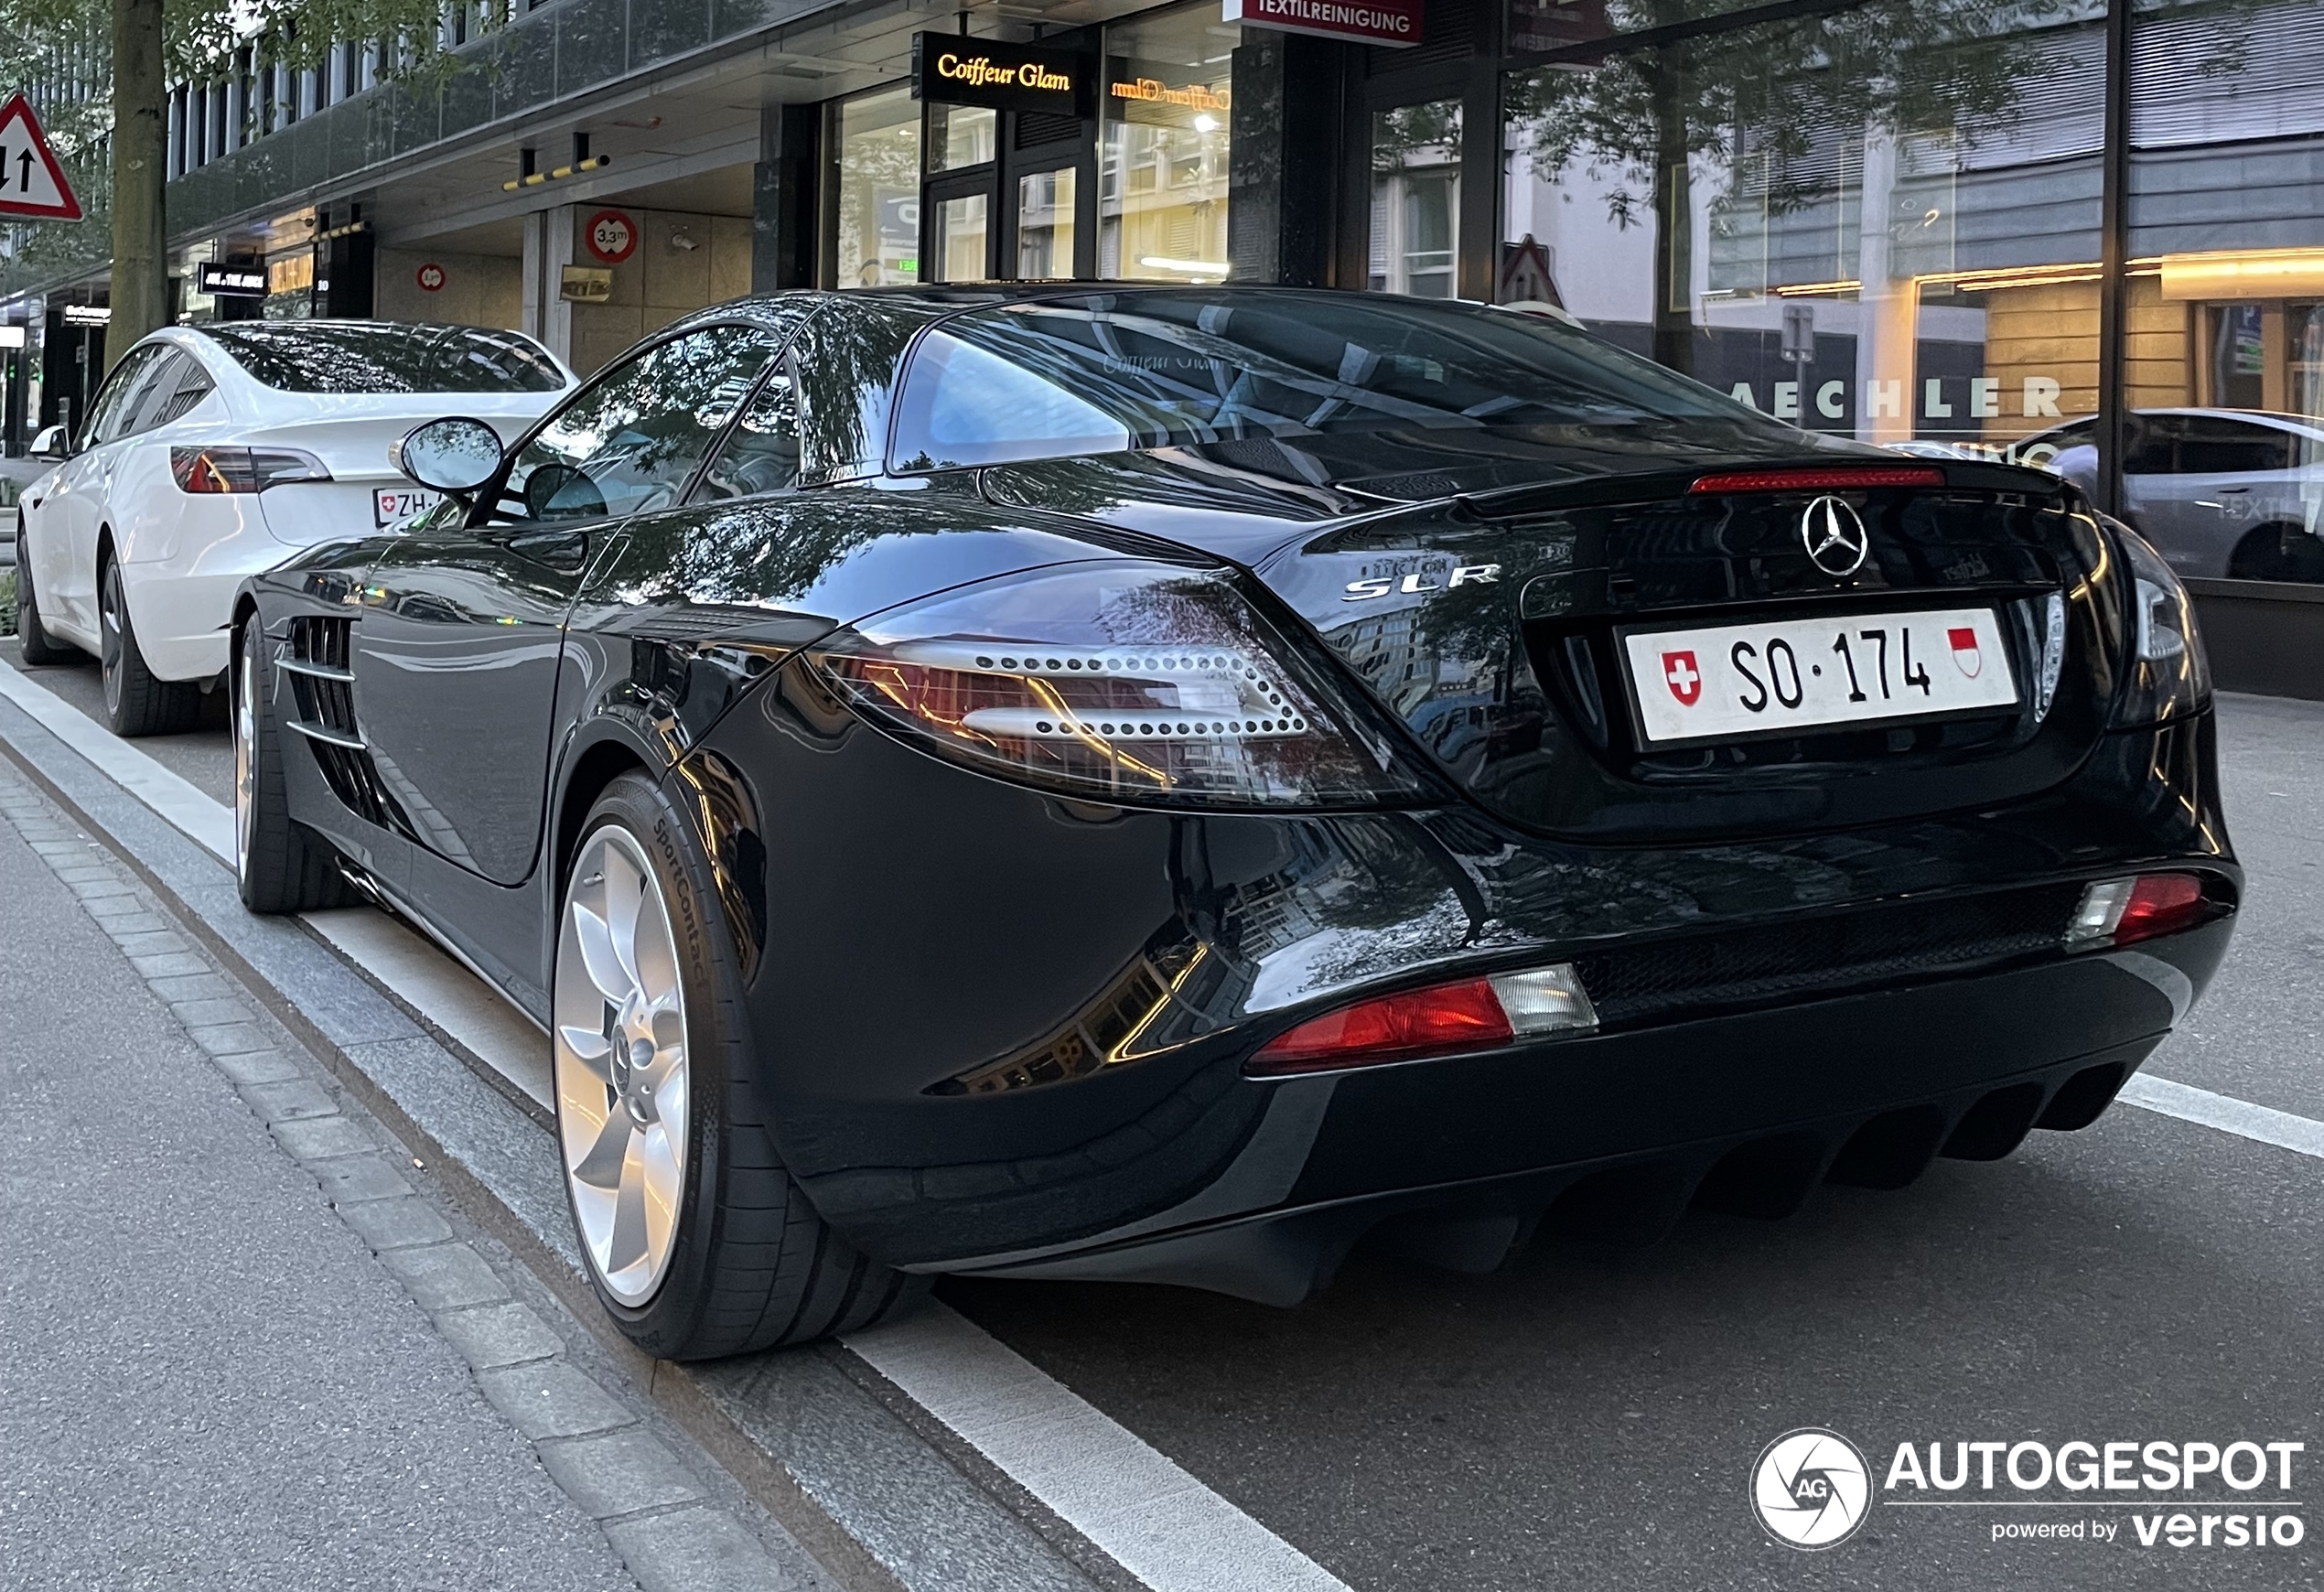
140 295
1673 216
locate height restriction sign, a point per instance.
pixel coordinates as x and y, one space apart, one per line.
31 182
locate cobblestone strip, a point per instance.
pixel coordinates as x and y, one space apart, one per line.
670 1538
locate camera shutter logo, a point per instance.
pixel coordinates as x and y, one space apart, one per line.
1833 536
1811 1489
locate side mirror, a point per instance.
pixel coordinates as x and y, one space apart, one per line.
456 456
558 491
48 443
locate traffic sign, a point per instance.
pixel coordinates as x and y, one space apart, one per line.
31 182
612 237
430 277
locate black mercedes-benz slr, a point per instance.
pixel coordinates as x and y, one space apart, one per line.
1165 782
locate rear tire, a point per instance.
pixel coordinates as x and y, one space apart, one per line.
2281 552
280 864
33 639
658 1107
137 702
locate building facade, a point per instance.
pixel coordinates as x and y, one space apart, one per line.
2085 233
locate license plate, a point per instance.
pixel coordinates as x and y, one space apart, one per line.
1725 681
397 505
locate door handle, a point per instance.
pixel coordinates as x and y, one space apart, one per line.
2232 491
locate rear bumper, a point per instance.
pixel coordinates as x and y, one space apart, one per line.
1000 1034
1613 1138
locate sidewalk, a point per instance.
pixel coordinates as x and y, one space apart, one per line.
211 1382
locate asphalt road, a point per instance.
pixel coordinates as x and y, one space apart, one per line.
1590 1417
209 1381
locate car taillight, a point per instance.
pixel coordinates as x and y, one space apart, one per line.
1117 682
2168 677
2124 911
1819 479
242 470
1472 1014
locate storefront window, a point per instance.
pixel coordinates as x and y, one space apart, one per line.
1045 225
2223 453
1415 198
876 167
961 135
1162 163
1885 231
961 234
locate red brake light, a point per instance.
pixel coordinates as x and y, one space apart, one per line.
1820 478
242 470
212 469
1421 1022
2159 904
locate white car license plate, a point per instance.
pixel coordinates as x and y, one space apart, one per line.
1726 680
400 505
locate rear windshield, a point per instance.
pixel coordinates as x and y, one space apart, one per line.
316 356
1166 368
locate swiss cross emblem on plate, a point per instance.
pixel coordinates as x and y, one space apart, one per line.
1684 678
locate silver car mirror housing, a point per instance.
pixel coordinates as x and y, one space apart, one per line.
456 455
50 444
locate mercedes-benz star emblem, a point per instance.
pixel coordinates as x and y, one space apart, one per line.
1833 536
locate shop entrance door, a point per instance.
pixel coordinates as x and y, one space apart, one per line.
1011 199
959 241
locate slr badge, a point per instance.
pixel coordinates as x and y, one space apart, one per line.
1834 537
1418 585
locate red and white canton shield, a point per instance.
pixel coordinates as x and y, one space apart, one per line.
1682 677
1964 650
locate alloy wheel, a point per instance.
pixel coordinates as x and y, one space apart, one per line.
109 639
245 760
619 1014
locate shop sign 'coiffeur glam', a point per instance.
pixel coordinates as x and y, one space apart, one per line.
951 71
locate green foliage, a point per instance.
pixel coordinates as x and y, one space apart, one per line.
7 602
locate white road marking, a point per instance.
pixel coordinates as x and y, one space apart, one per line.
2225 1113
1134 1503
1155 1520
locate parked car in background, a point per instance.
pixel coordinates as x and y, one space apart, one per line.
2220 492
214 452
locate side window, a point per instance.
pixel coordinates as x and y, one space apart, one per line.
761 452
846 360
111 411
2148 444
154 395
2228 446
174 403
629 441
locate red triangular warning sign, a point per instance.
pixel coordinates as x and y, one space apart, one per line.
31 182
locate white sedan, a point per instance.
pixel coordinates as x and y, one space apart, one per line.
212 453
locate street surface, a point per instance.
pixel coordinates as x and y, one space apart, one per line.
1590 1417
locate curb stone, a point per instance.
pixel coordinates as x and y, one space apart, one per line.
358 1167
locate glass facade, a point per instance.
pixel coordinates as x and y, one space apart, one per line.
1163 154
875 175
1415 198
1889 222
